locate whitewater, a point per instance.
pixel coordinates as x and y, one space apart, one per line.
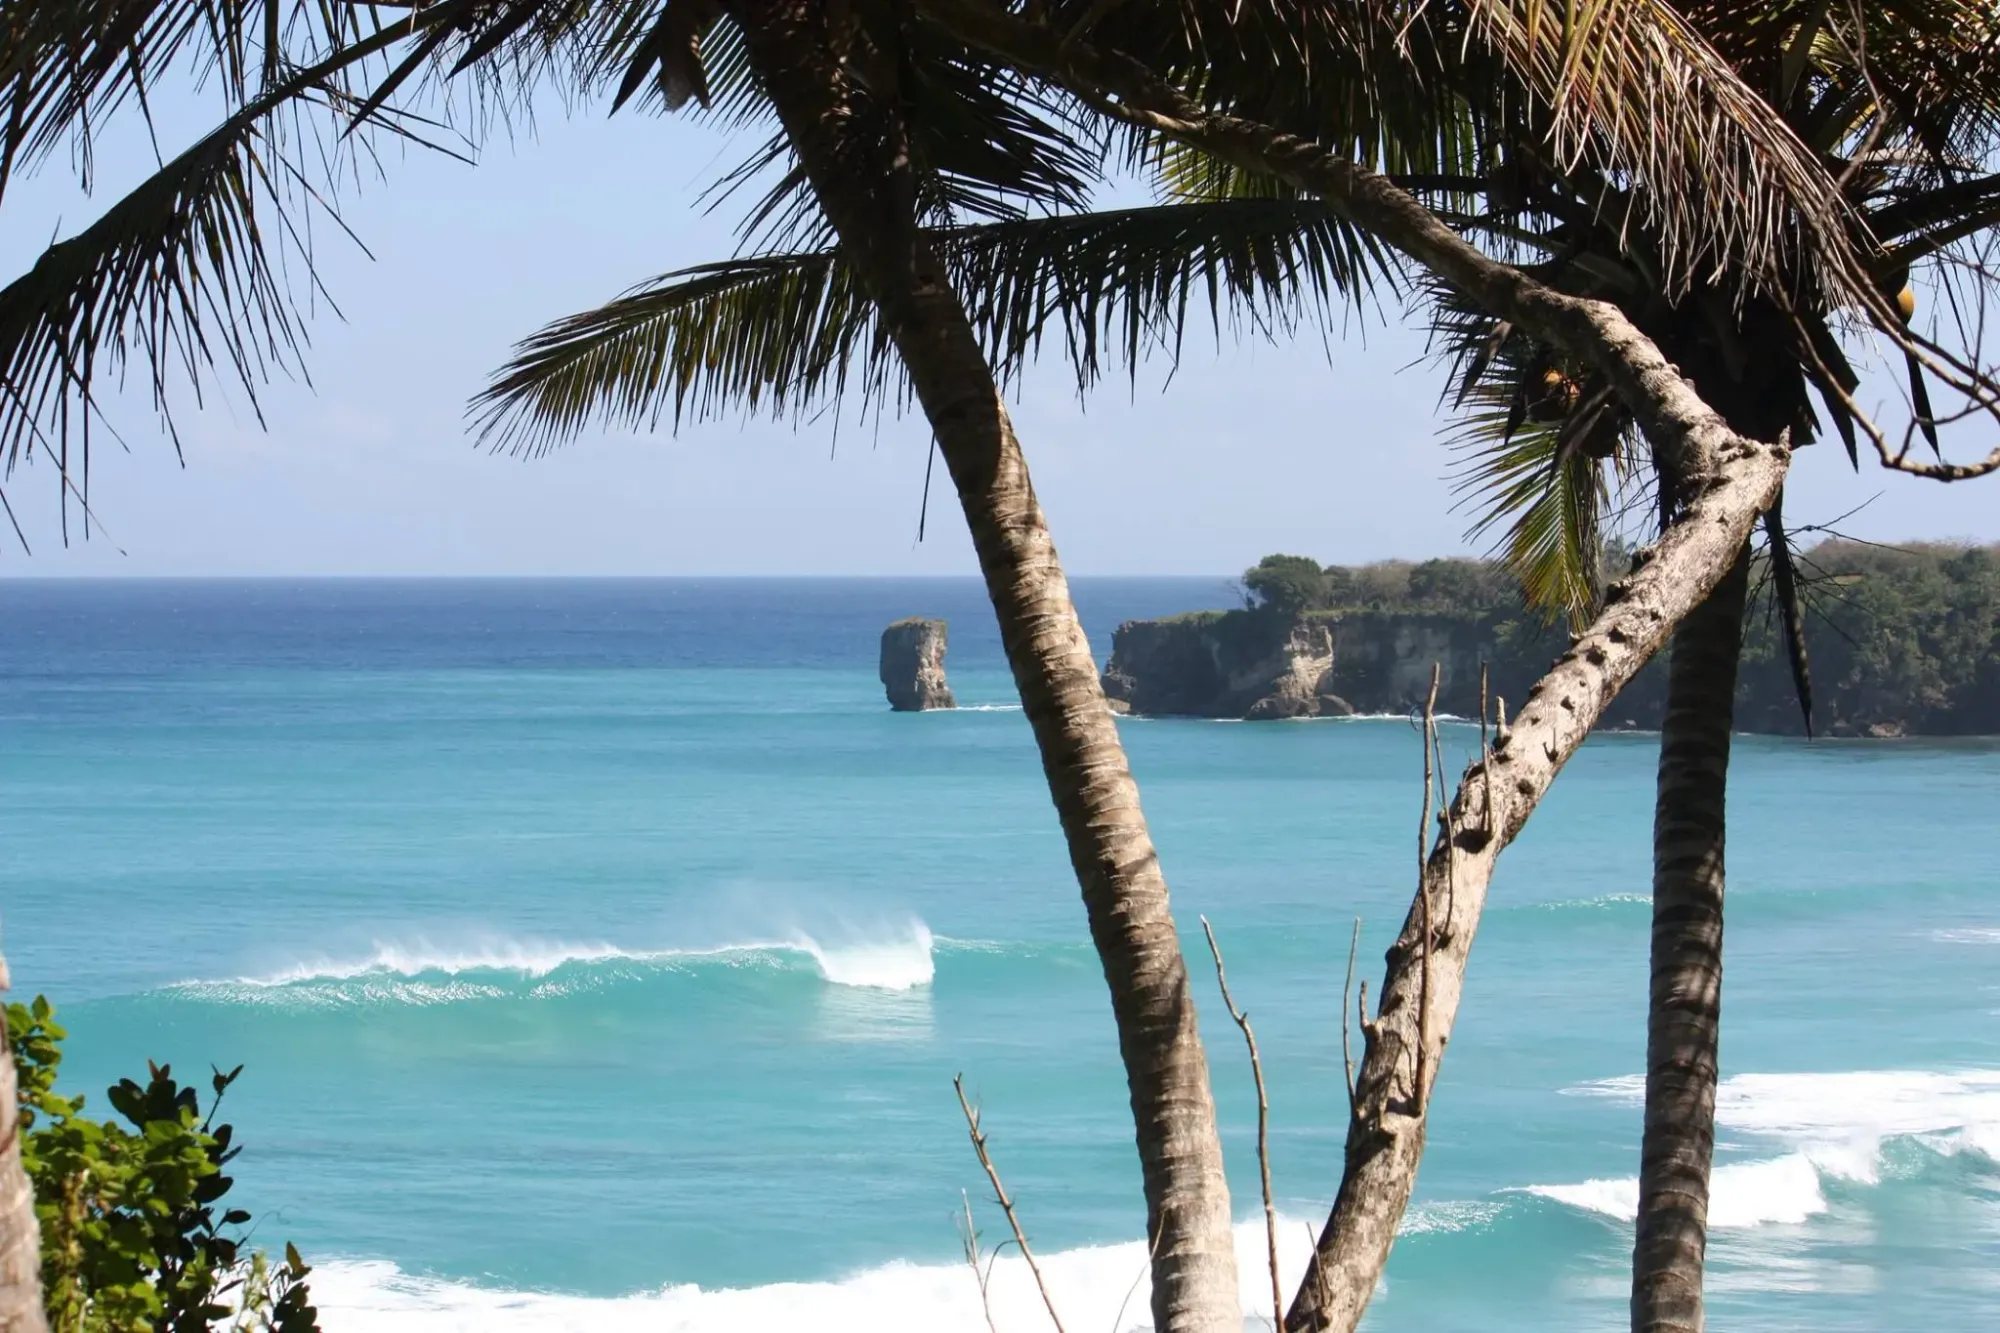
600 956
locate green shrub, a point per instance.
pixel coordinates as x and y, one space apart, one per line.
1285 585
132 1241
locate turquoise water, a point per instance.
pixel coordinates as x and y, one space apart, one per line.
601 955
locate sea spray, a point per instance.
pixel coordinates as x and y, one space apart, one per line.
900 961
1836 1126
892 957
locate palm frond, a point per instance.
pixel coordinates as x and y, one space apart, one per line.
1791 609
775 332
180 271
1537 505
1535 440
790 334
71 65
1725 185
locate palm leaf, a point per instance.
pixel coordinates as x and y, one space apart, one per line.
1537 506
182 271
1535 482
1725 184
775 332
71 65
790 334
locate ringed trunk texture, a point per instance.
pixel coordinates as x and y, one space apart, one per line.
851 148
1684 1013
1404 1041
20 1237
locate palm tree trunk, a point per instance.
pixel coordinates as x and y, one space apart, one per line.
1685 1008
1403 1044
850 146
20 1238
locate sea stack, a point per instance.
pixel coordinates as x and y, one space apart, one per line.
913 666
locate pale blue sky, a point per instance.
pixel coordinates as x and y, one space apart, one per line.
372 472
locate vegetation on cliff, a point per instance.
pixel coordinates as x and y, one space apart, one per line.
1901 640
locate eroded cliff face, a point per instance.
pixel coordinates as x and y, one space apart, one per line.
1383 662
1249 664
912 667
1222 664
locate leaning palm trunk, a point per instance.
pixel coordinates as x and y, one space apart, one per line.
849 146
20 1238
1685 1009
1404 1041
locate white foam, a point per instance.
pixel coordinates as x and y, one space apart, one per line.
1784 1191
894 957
1834 1126
531 958
1600 901
1097 1288
1968 935
900 962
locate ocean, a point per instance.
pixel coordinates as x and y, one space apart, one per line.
601 954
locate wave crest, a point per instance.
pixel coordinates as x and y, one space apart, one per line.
1836 1126
897 959
1099 1287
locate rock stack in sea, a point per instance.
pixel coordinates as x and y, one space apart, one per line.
913 665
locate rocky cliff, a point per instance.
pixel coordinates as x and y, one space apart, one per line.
1222 664
1900 642
1252 664
912 668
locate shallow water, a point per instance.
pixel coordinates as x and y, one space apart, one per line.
601 955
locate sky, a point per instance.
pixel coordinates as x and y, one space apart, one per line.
1330 449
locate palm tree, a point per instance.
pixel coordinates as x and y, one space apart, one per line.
774 322
882 132
1903 103
850 120
1655 216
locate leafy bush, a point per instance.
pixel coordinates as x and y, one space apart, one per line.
131 1238
1285 585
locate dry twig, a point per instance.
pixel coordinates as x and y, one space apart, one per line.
1000 1197
1263 1127
1431 766
1346 992
969 1233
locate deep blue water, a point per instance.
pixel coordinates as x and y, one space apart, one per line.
601 954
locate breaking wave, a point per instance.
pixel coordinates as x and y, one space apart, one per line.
1832 1126
1097 1287
897 959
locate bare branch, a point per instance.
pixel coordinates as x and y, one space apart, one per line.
1431 775
1000 1197
1346 991
1263 1127
969 1234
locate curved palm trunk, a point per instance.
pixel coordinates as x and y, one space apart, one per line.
1684 1012
851 149
20 1238
1404 1042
